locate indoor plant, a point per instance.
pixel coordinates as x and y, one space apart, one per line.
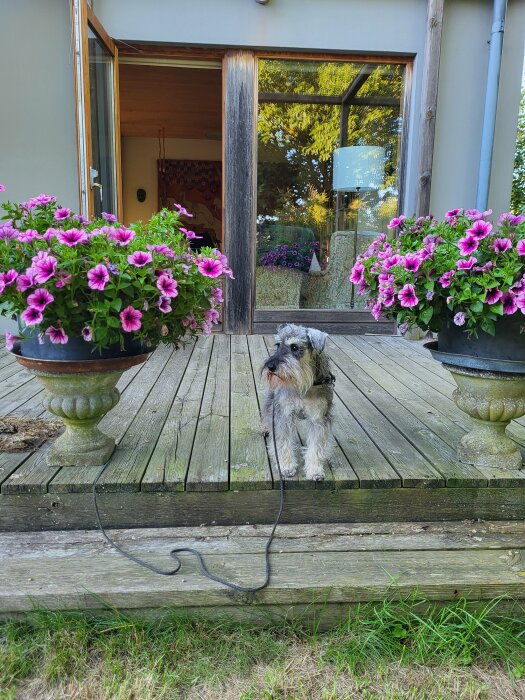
92 299
463 277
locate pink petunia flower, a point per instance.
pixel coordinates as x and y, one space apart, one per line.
479 229
122 236
63 279
460 318
520 302
412 262
493 296
9 277
509 303
140 258
209 267
357 273
162 249
167 286
40 298
28 235
392 261
511 219
44 266
466 264
445 279
108 217
190 321
520 247
211 315
25 282
468 244
130 319
32 316
182 211
50 234
407 296
57 335
164 304
452 213
190 235
72 237
62 214
500 245
2 188
396 222
216 293
9 341
98 277
87 334
376 310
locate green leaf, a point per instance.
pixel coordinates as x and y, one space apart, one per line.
113 322
477 307
497 308
116 304
426 314
488 326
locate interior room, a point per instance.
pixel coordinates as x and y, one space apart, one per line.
170 118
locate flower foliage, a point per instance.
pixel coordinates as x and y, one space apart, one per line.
70 278
297 256
463 270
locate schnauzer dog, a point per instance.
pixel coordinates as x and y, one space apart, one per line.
300 386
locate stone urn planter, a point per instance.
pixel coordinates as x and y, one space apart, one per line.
80 392
490 375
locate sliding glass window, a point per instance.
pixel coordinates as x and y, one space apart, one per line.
327 178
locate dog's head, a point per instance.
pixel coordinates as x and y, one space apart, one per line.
296 360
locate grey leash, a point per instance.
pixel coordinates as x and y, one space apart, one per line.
175 552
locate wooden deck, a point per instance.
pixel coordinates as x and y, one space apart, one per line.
189 450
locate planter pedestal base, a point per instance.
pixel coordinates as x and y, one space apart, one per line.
81 401
492 399
80 392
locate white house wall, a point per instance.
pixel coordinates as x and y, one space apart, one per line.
38 148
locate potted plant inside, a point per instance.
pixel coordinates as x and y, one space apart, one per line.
464 278
93 299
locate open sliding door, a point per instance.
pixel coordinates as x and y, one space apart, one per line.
96 63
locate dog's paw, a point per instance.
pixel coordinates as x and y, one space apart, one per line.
315 473
288 470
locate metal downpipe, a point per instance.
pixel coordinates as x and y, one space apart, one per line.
491 102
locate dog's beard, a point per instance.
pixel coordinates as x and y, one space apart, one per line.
299 375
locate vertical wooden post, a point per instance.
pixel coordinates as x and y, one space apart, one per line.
239 186
429 104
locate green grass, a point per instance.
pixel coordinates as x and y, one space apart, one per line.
384 650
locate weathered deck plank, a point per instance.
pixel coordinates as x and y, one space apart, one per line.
334 568
208 469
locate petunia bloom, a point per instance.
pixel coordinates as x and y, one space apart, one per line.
466 264
182 211
500 245
72 237
216 293
40 298
459 318
98 277
209 267
407 296
167 286
479 229
9 277
139 258
108 217
190 235
412 262
357 273
164 304
520 247
2 188
445 279
396 222
32 316
87 334
130 319
493 296
468 244
62 214
44 266
509 303
122 236
57 335
9 341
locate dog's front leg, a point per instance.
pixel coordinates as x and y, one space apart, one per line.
319 446
286 438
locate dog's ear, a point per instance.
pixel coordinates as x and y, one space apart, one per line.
317 339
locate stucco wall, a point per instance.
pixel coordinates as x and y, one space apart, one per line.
139 169
459 122
38 148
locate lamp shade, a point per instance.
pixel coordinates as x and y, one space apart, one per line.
358 168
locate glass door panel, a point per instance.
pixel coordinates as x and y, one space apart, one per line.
102 117
328 164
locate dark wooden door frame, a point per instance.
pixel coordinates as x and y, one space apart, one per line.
240 99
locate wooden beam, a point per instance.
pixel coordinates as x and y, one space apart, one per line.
429 104
239 186
285 97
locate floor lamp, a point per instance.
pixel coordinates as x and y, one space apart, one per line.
357 169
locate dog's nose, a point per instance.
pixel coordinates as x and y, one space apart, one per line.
271 365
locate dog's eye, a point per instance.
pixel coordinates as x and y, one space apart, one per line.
294 347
